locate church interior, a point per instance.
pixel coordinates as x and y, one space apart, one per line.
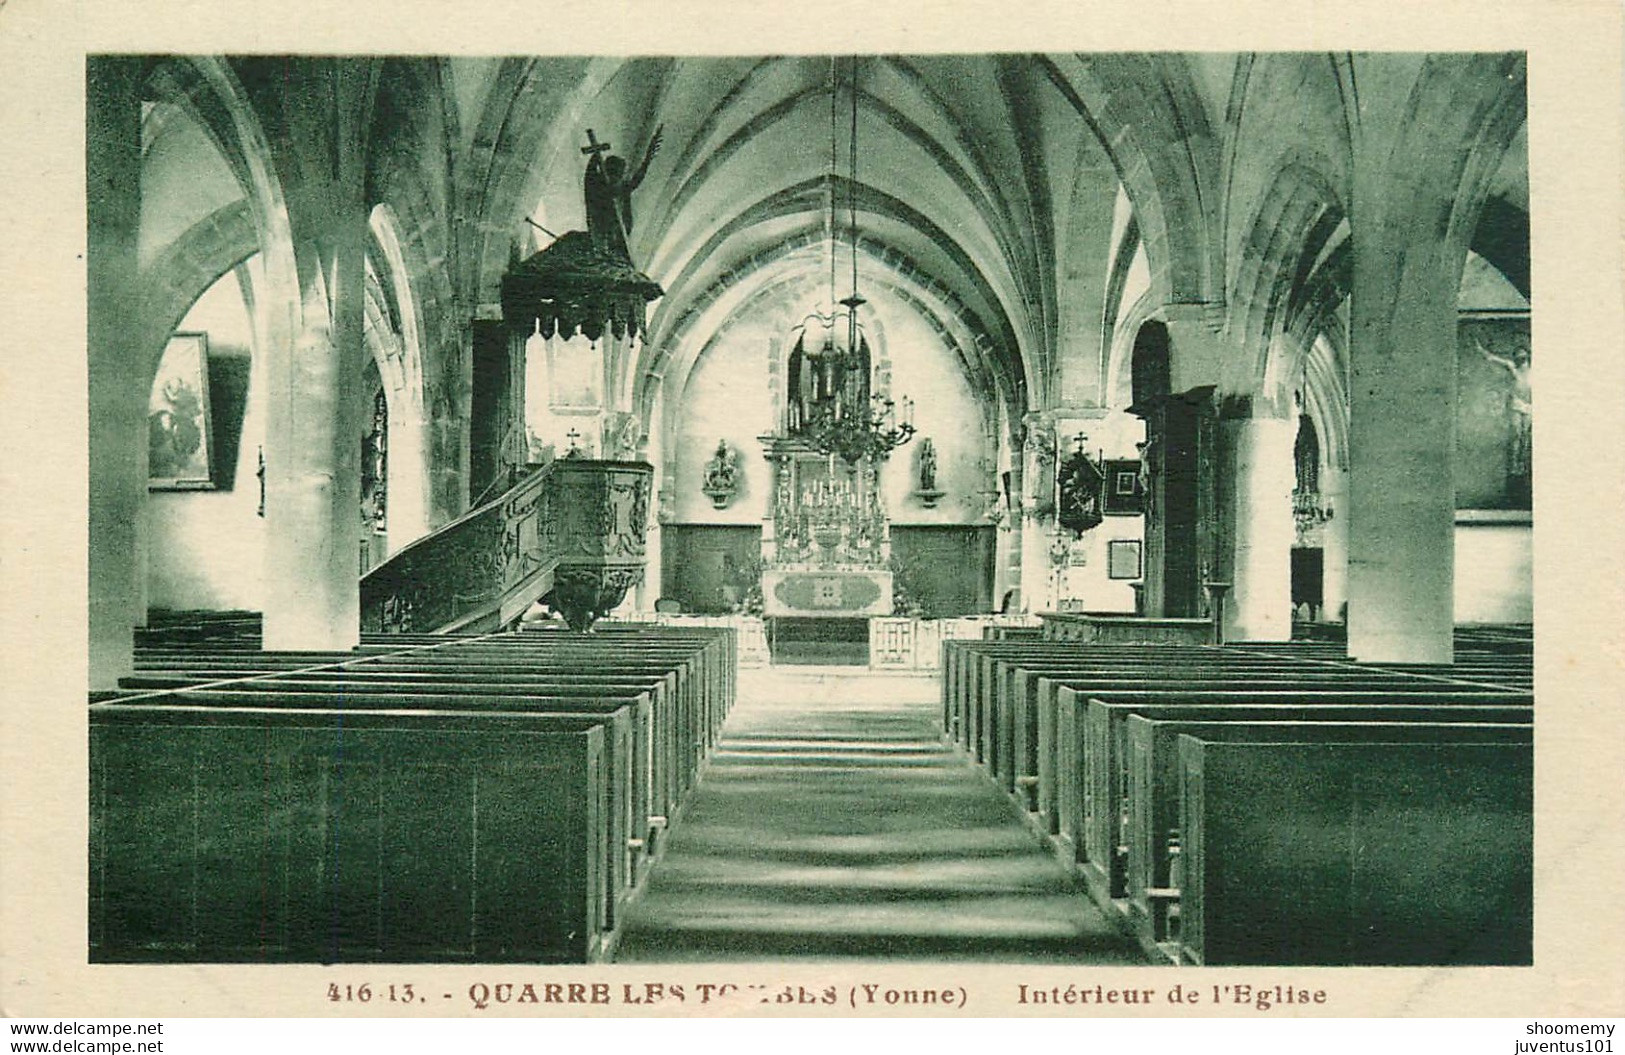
1051 508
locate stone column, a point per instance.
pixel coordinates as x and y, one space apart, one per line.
315 410
1432 132
1174 542
1037 496
491 405
652 450
1259 607
118 380
1184 350
1334 487
1402 425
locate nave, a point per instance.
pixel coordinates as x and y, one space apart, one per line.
834 821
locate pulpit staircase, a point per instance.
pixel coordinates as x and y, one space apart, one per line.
571 531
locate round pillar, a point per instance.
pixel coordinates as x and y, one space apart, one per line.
312 464
1260 604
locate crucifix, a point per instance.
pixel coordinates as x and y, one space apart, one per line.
575 444
593 145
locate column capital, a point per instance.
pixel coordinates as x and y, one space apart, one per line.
1200 347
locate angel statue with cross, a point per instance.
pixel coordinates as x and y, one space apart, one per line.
608 191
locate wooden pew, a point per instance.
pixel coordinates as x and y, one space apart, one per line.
1045 759
967 665
682 683
687 704
687 721
963 672
1092 790
627 767
704 674
1345 826
1033 727
672 765
703 656
1152 792
1009 708
325 835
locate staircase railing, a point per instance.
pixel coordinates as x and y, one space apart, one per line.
572 531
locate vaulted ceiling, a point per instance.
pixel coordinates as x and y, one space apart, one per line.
1012 197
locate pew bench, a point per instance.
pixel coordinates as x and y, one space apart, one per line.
673 760
1152 794
626 765
1352 854
1092 789
325 835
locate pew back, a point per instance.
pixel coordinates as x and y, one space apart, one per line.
1307 853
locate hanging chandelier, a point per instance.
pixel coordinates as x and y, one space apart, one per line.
831 403
1309 510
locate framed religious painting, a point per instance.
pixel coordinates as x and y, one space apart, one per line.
1124 492
179 447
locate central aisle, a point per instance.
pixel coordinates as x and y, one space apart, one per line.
833 821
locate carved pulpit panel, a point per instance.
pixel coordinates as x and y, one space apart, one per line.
603 528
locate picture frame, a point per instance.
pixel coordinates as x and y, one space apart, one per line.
1123 494
180 435
1123 558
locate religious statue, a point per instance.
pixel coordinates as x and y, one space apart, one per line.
928 465
623 434
722 475
608 191
1150 465
928 491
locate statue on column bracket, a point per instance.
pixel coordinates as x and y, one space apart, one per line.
1150 468
991 508
722 476
928 491
623 434
1040 485
1081 486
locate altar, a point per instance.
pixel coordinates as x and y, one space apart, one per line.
826 539
826 592
826 554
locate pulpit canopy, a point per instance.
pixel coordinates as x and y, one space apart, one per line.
574 286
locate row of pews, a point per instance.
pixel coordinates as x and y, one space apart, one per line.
1271 803
421 798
